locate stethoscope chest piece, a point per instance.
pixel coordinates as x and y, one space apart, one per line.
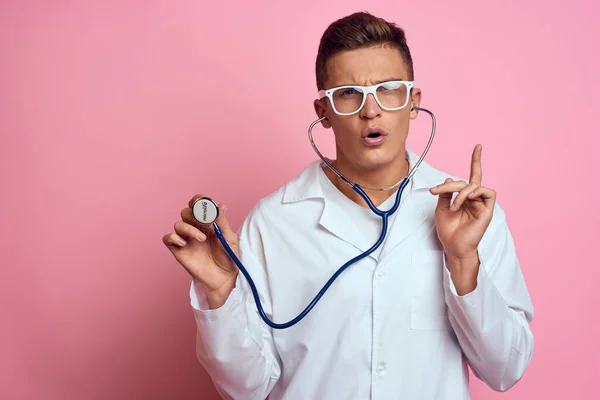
205 210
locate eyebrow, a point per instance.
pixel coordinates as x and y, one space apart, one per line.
387 80
374 83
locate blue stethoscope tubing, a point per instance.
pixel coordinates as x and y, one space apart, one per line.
384 228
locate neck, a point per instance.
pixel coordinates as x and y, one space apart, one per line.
377 178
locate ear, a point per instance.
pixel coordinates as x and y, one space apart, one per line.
320 109
415 101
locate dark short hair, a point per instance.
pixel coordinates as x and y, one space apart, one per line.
355 31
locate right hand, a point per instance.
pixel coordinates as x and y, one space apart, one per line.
197 247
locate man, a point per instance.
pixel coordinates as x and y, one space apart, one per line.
444 291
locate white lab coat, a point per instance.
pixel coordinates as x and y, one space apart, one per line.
391 327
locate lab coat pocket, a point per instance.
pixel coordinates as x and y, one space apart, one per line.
428 310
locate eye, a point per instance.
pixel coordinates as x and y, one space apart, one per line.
348 92
390 86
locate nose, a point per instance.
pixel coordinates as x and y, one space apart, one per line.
370 109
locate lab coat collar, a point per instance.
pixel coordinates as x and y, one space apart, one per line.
305 186
409 216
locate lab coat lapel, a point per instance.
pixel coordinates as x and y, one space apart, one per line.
336 221
409 217
413 211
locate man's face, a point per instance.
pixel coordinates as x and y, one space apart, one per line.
368 66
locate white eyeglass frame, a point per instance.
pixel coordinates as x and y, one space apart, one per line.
365 91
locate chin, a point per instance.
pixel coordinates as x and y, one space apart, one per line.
376 159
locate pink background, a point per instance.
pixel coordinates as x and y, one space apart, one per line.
113 114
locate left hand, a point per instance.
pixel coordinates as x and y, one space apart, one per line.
461 226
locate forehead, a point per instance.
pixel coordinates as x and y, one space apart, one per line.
365 66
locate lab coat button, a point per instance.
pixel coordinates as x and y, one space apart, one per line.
381 369
379 275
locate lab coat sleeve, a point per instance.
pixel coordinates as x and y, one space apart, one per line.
233 343
492 323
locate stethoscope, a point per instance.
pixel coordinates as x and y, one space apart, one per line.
206 211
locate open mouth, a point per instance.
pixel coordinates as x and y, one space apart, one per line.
373 133
374 137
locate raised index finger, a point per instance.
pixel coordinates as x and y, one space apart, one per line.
476 173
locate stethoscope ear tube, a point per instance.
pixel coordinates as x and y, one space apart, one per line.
429 142
348 181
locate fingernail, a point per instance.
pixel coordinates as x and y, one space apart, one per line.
181 242
225 210
201 236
